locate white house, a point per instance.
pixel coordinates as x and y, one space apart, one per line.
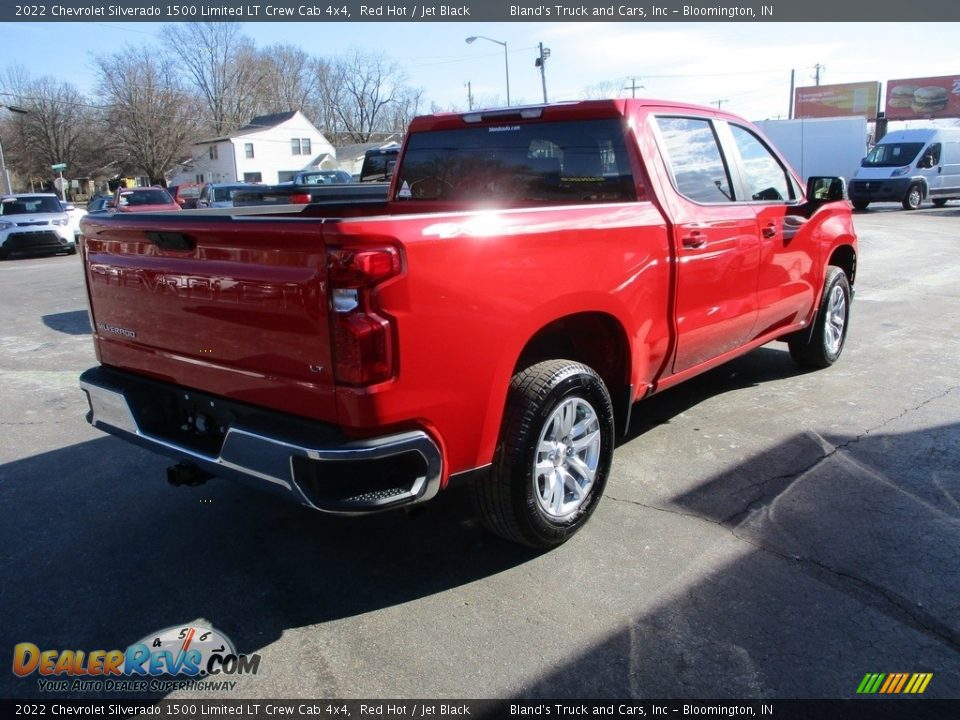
269 149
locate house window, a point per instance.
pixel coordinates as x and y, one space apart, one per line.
248 149
199 179
254 177
213 152
300 146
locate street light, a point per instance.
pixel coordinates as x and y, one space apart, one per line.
506 61
4 175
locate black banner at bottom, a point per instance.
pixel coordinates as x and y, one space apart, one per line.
859 709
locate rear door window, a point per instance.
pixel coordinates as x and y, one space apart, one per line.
694 159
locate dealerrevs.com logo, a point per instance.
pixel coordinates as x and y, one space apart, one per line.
188 653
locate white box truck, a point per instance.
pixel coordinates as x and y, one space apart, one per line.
820 146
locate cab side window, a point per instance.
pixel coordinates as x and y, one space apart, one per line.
767 180
694 159
931 158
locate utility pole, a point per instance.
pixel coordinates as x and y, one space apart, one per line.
541 62
633 87
719 103
469 96
818 68
793 74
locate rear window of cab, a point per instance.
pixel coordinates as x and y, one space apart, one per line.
568 162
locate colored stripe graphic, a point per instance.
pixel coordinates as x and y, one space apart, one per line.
894 683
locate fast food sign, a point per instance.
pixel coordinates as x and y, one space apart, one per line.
847 100
931 97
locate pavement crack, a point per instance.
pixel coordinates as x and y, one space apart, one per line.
893 604
782 482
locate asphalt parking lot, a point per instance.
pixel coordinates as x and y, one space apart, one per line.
766 533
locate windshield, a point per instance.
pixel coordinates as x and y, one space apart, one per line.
327 177
892 155
30 205
146 197
568 162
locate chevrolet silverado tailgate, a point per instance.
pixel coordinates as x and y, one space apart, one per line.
234 306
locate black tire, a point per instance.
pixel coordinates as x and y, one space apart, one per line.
913 198
548 404
860 204
939 202
821 347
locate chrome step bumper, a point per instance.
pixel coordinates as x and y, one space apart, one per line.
306 461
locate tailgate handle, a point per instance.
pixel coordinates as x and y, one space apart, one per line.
172 241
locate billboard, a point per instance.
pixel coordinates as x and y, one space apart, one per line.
931 97
849 99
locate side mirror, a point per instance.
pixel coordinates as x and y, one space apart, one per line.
821 189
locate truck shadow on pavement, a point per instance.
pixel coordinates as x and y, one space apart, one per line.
74 322
755 368
795 582
99 551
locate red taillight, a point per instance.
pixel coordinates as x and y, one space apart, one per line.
299 198
363 340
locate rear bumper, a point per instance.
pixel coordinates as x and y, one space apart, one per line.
302 460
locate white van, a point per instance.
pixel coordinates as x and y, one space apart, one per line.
907 166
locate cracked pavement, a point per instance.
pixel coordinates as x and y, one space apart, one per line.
766 532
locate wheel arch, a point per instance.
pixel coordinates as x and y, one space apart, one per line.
595 338
845 258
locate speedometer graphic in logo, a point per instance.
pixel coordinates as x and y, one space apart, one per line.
179 650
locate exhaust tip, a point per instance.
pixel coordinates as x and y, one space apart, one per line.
185 473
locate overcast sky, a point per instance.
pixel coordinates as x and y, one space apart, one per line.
745 66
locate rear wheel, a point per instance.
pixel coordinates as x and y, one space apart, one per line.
939 202
913 198
553 458
822 346
860 204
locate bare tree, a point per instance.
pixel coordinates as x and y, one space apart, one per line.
149 113
56 127
290 82
329 97
367 87
223 65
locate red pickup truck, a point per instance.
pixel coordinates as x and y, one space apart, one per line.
532 274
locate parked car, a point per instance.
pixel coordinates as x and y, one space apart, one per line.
185 196
142 199
34 224
219 195
322 177
74 214
99 204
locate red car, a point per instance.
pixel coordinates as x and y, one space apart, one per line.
142 199
185 196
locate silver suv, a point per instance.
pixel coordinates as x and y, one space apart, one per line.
34 224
